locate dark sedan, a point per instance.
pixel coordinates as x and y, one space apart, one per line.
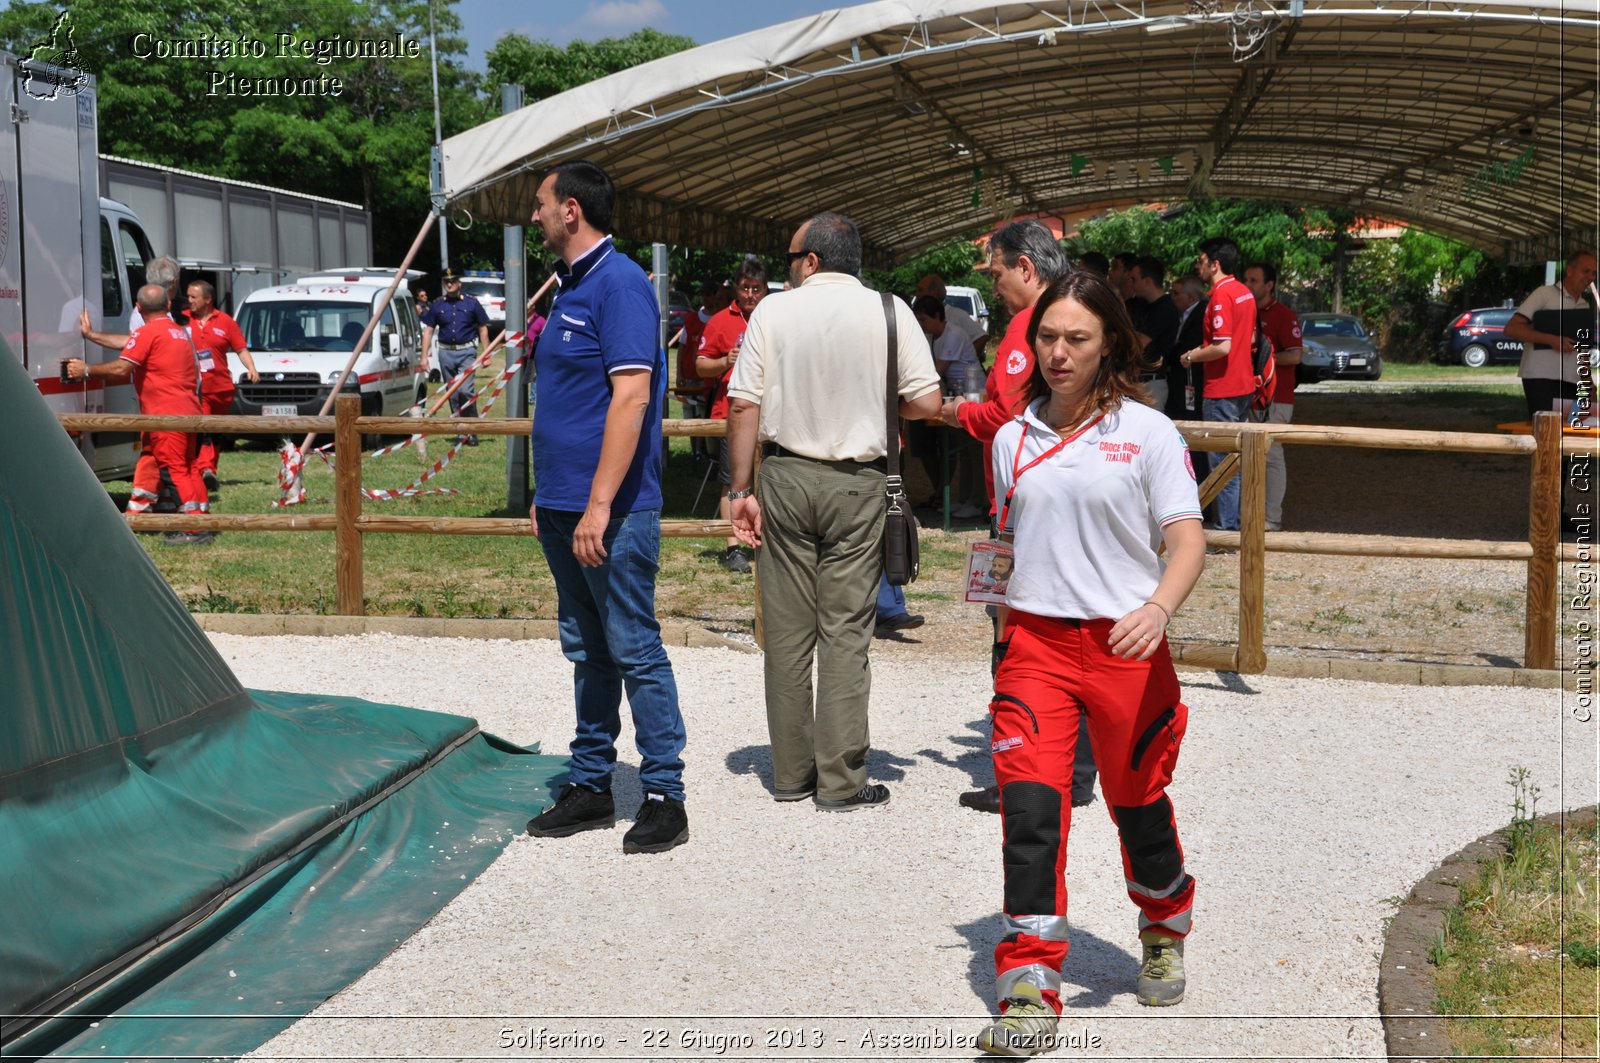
1478 338
1337 345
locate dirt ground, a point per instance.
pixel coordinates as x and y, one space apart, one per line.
1407 609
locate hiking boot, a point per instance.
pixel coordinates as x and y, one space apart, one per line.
576 809
1161 974
736 560
985 800
209 478
660 825
869 795
1027 1028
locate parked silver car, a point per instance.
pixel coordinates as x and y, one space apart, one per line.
1337 345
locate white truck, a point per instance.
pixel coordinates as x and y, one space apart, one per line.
63 248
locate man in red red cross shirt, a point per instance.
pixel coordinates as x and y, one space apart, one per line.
165 374
719 350
1282 326
214 334
1230 332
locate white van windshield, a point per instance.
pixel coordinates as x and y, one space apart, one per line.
305 325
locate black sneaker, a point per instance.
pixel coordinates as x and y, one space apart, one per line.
209 478
736 560
866 797
661 824
985 800
889 626
575 809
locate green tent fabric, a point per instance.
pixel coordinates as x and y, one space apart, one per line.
159 823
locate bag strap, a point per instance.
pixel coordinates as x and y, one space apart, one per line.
891 392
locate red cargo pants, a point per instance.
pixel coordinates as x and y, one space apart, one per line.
1055 676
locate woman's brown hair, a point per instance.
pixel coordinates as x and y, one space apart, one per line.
1118 375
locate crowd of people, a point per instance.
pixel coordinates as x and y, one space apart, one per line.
1085 479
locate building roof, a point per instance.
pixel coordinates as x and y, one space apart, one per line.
924 119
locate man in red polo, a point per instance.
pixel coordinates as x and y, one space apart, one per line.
1024 260
1282 326
165 374
714 361
1230 332
214 334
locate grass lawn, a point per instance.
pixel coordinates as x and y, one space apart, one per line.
436 575
1425 371
1523 942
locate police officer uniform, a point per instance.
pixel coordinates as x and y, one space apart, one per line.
455 319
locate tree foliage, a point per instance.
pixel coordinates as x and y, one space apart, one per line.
544 69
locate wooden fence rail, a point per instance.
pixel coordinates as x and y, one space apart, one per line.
1244 444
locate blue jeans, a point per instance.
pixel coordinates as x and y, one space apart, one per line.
610 634
1234 409
891 600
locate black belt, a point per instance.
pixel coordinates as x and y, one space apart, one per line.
1145 378
773 450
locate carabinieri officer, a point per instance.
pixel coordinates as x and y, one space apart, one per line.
455 316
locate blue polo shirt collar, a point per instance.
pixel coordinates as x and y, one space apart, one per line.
566 275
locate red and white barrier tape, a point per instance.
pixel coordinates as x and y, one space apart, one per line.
290 472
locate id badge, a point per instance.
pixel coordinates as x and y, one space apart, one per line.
989 563
1188 397
207 362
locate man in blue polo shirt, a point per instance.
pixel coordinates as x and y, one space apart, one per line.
461 326
597 512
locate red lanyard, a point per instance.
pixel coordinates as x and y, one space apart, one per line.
1017 468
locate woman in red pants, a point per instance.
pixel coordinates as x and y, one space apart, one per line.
1094 481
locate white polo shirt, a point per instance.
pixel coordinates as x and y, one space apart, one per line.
1547 363
814 359
1087 520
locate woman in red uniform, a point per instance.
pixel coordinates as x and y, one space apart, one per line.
1094 482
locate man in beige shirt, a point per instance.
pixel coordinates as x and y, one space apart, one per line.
809 389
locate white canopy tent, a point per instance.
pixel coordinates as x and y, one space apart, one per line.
924 119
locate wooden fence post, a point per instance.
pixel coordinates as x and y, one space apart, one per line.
1544 535
1252 653
347 506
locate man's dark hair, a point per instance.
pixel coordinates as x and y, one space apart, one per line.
1224 252
751 269
1032 239
1269 272
928 306
1153 270
206 289
836 242
1125 259
591 186
1095 263
152 299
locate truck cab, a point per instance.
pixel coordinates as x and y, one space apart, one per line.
302 334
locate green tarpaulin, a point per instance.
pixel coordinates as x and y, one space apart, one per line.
172 844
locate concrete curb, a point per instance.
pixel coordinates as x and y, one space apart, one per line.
1412 1031
681 633
673 633
1409 673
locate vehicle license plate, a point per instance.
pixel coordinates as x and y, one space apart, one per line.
1358 361
279 411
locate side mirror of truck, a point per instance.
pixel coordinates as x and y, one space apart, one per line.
393 342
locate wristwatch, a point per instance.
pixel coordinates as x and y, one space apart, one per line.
734 496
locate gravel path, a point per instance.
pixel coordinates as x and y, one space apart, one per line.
1307 808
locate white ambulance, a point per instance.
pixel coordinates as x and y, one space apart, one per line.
302 334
